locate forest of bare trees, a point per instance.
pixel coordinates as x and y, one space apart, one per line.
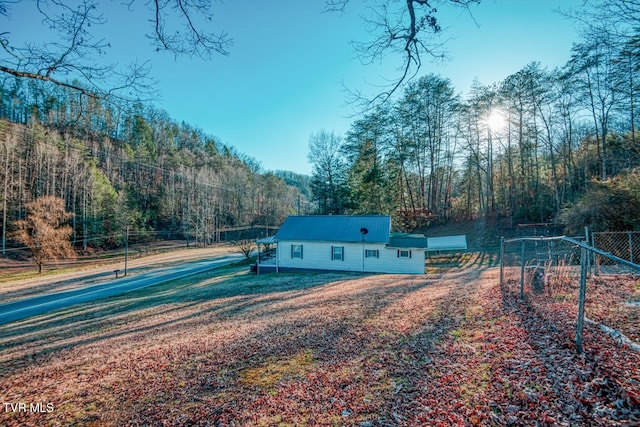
539 146
116 169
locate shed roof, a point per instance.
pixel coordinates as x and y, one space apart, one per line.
266 240
407 240
336 228
447 243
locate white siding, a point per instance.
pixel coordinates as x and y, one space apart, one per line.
390 263
317 256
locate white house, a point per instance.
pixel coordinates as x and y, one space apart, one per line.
345 243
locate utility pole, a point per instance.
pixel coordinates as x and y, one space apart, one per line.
363 231
126 251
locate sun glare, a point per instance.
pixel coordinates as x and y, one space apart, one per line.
496 120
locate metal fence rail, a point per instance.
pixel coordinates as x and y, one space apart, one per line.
553 274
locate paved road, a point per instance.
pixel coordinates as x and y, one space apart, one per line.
28 307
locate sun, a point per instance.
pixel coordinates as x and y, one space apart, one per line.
496 120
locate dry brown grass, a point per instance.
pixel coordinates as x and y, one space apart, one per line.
288 349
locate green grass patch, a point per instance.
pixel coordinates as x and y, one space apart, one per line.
33 274
276 370
478 383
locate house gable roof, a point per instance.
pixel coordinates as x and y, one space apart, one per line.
336 228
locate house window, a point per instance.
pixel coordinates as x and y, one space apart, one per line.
372 253
296 251
337 253
403 253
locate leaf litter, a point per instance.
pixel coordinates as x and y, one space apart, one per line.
294 350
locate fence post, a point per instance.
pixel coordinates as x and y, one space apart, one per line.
596 264
582 298
501 260
589 263
522 272
631 246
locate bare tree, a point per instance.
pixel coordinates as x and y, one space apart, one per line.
245 247
44 231
405 28
70 58
8 144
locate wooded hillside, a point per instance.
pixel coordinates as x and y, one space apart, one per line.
538 146
525 149
138 168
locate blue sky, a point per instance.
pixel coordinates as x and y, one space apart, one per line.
285 76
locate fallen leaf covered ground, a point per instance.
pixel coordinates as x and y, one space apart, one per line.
236 349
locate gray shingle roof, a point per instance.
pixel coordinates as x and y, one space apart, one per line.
336 228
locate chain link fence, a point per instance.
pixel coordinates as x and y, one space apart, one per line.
556 277
622 244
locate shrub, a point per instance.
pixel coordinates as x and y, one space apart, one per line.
610 205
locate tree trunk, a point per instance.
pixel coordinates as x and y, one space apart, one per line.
5 196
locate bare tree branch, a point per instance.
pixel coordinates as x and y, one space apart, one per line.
245 247
46 78
191 41
74 57
335 5
398 27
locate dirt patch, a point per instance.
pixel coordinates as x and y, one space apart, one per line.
314 349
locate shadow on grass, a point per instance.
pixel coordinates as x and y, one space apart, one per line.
443 263
360 364
54 284
601 372
225 292
320 347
